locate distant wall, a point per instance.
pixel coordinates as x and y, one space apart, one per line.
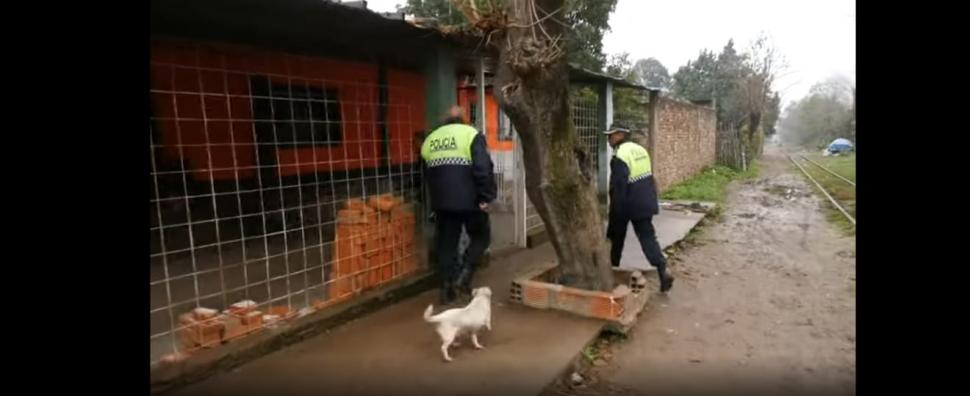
682 141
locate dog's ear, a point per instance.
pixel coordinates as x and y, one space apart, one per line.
474 292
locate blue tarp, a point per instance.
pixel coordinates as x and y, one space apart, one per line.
839 145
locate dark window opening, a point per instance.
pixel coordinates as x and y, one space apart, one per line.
296 115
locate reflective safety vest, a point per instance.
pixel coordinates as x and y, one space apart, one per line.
449 145
636 159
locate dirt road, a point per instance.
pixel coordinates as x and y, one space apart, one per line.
764 303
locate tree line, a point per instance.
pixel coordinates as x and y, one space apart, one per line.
826 113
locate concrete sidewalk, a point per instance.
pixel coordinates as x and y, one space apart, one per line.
393 351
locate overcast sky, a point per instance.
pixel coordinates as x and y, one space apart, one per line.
817 37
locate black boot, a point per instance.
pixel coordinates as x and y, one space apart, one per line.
666 281
446 295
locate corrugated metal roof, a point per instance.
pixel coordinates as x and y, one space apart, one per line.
302 26
309 25
579 74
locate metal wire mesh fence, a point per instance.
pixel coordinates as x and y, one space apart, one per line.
281 184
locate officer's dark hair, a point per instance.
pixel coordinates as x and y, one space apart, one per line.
453 120
453 116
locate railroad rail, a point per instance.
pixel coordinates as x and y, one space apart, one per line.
817 184
828 170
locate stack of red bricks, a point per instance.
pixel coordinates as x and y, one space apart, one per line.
206 328
374 244
612 306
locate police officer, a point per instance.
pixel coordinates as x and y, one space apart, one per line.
633 198
462 184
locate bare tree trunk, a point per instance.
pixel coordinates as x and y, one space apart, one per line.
533 81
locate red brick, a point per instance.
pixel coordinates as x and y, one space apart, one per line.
201 314
387 271
568 300
605 308
234 328
253 318
385 202
282 311
596 304
206 334
242 307
535 295
350 216
355 204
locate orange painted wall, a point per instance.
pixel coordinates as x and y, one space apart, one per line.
468 98
200 99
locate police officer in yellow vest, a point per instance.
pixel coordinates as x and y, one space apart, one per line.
633 198
461 184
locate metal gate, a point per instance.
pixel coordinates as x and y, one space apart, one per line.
586 119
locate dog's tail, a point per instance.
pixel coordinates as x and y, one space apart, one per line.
427 314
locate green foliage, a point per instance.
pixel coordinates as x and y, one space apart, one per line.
650 72
629 105
772 114
695 80
709 185
588 21
825 114
740 83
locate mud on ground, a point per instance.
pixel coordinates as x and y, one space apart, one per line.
764 302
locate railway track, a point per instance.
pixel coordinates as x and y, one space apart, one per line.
831 199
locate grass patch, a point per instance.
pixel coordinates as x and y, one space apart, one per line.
590 353
843 192
604 340
843 165
709 185
835 217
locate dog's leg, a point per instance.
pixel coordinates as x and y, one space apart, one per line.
475 341
457 342
447 338
488 323
444 352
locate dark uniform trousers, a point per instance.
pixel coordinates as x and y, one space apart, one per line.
449 225
648 242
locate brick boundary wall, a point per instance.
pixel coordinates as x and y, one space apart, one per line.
684 139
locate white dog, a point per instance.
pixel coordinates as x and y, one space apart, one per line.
470 319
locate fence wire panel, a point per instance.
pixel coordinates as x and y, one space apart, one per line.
277 189
504 178
586 120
